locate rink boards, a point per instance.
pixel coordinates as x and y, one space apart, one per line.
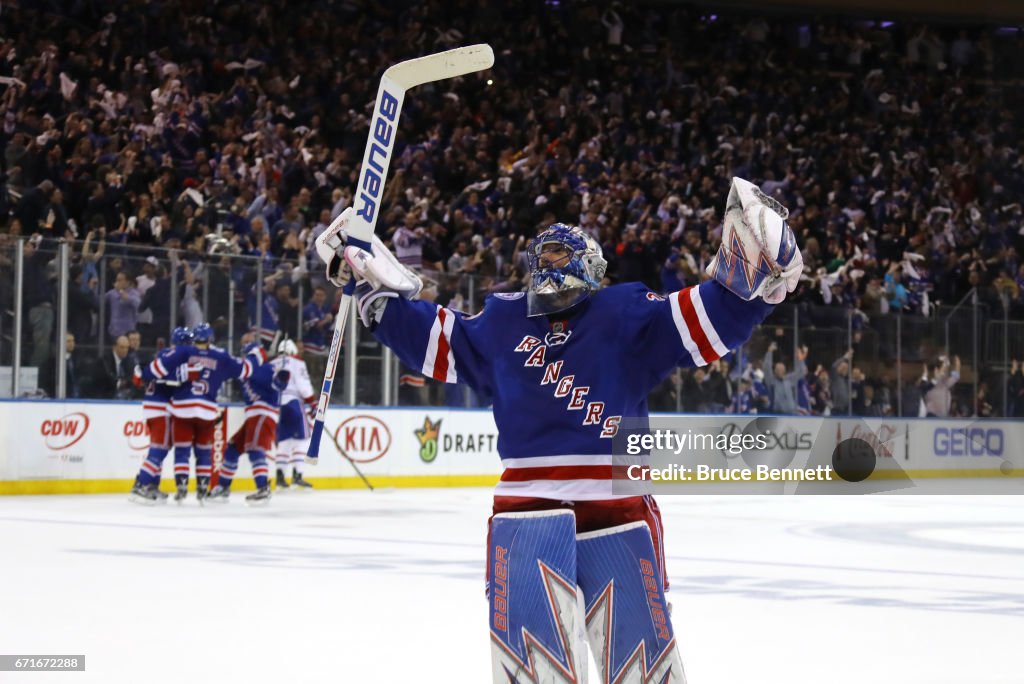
51 447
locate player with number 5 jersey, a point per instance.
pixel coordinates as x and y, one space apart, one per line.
201 370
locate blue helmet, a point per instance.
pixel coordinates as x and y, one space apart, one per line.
181 335
203 333
566 265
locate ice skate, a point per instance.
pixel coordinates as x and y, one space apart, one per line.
202 489
147 495
261 497
218 495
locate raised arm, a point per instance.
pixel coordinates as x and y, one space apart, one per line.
444 344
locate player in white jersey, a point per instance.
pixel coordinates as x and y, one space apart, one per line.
298 402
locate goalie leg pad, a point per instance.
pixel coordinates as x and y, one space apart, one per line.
627 619
535 619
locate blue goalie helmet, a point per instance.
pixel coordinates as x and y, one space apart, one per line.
566 266
203 333
181 335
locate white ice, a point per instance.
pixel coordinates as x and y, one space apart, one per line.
360 587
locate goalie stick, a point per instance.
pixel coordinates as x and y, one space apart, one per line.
373 173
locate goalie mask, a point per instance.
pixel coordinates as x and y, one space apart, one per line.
566 266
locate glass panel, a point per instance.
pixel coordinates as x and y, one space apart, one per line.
118 289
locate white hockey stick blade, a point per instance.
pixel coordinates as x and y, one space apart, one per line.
387 109
449 64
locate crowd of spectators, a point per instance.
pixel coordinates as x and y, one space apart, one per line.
194 150
842 388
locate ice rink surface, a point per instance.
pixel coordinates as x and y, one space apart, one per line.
359 587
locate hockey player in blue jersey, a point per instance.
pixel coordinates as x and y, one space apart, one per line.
194 404
262 394
157 412
565 363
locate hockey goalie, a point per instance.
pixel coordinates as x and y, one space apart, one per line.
563 363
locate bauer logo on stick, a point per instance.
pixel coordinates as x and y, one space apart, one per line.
377 156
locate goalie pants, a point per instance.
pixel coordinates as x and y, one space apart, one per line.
593 515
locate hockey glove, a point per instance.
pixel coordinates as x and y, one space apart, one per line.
758 256
281 379
188 372
330 246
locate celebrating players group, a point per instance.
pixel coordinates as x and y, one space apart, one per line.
180 405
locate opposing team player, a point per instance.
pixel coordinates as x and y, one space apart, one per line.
565 363
157 412
262 394
194 405
298 403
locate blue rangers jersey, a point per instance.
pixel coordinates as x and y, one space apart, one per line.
560 388
262 390
160 385
198 398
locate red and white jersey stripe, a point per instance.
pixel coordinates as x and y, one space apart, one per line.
698 335
439 362
562 478
260 408
410 380
154 408
195 407
156 367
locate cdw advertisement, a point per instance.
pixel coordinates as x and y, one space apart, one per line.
94 441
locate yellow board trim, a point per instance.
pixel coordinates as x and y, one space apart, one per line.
32 487
245 484
939 473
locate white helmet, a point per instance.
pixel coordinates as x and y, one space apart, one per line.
287 348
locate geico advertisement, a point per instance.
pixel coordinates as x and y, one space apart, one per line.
979 441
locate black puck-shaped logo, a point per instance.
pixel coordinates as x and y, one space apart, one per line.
854 460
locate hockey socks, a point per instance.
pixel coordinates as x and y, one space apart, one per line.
260 471
149 473
228 468
181 454
204 468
